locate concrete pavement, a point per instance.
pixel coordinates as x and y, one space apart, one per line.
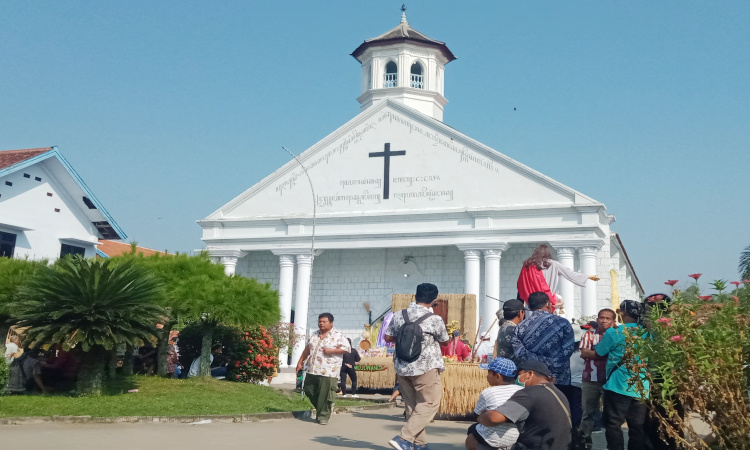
364 430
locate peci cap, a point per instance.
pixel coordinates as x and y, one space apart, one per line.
535 366
500 365
514 305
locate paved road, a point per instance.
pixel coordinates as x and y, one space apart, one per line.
364 430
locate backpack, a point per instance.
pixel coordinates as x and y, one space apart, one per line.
409 338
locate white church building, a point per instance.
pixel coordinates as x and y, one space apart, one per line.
396 198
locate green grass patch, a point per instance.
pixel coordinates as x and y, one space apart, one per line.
162 397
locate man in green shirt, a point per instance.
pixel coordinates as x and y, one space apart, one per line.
622 400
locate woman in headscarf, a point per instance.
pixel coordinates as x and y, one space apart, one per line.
541 273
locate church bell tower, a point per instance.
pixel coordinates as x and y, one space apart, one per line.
406 66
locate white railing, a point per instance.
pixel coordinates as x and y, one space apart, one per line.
417 81
391 80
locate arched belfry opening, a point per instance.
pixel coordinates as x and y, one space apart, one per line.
391 75
417 76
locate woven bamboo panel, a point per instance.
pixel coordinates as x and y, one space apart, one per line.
461 307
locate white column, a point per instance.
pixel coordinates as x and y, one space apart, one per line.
491 289
472 275
566 257
588 267
230 264
286 284
304 265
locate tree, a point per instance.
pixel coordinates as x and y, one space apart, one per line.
237 301
14 274
744 266
198 291
91 306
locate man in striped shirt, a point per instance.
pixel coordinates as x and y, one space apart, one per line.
594 371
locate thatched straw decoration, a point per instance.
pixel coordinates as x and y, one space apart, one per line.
462 384
377 380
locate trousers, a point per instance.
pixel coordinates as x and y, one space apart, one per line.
322 392
421 394
352 373
619 409
591 397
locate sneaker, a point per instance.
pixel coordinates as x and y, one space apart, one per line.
355 396
399 444
323 422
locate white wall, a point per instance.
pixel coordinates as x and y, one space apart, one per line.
27 204
344 279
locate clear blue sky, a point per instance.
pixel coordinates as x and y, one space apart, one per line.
169 109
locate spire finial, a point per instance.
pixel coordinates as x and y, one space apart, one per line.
403 13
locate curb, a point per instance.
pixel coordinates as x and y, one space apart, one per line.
232 418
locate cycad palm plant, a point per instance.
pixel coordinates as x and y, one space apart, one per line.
90 306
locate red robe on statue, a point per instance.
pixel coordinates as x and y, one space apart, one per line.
531 280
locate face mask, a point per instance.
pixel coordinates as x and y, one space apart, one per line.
519 382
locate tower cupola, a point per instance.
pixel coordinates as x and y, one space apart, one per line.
404 65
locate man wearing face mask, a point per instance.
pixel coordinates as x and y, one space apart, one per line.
540 411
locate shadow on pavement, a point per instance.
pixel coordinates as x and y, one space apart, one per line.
340 441
392 418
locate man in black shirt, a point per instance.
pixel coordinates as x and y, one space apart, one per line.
347 368
540 411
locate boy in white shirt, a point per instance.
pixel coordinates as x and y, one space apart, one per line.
11 349
501 374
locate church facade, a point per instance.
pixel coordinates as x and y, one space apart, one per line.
395 197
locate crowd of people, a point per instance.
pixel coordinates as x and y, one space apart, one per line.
550 385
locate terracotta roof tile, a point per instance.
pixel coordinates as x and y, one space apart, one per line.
11 157
114 248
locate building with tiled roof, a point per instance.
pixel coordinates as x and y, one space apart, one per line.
46 210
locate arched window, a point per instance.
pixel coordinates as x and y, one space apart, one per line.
391 75
417 76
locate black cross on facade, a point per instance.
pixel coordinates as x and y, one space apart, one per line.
387 166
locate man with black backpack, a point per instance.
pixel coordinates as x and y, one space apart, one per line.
418 335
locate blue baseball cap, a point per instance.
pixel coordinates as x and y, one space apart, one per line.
500 365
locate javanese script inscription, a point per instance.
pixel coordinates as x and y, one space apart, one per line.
352 137
465 155
348 199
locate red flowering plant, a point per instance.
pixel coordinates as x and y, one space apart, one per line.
255 358
697 358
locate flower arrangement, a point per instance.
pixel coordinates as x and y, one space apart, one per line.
255 359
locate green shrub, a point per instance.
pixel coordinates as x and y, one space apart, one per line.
4 372
256 359
697 361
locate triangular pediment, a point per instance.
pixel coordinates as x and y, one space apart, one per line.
432 167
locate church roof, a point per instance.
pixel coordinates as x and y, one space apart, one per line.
11 157
403 32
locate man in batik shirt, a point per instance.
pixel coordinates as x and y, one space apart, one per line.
419 380
547 338
322 360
